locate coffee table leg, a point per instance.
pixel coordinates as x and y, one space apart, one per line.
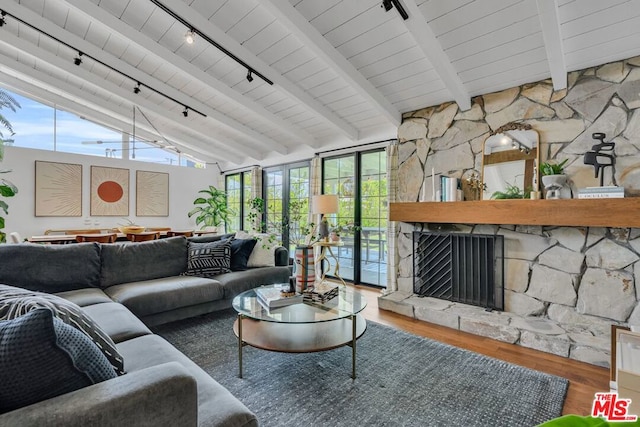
240 317
353 346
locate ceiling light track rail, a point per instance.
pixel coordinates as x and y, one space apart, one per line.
194 31
78 60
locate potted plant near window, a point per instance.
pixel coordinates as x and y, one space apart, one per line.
7 188
213 210
553 178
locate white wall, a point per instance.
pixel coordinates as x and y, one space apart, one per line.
184 183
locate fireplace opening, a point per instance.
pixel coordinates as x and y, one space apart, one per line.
465 268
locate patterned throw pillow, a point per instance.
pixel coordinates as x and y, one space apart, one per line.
209 259
42 357
16 302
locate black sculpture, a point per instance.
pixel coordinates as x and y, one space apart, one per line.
597 158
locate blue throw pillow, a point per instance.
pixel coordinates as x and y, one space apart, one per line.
42 357
240 251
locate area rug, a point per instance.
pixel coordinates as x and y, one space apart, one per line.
402 380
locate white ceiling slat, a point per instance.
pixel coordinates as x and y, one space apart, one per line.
68 67
305 32
156 50
550 23
427 41
283 84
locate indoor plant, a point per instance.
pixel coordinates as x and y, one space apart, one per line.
553 178
214 210
7 188
512 192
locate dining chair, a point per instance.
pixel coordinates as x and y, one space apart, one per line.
185 233
144 236
100 238
158 229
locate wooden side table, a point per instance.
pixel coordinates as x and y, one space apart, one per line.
322 256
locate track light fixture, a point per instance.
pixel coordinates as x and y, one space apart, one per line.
185 112
249 76
136 89
2 15
194 31
389 4
190 37
78 60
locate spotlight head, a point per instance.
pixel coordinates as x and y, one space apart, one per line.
2 15
190 36
249 75
185 112
78 60
136 89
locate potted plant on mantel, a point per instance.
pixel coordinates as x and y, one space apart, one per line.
553 178
7 188
214 210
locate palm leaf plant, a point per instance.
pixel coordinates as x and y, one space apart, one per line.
213 210
7 188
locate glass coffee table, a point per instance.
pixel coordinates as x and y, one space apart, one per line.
300 328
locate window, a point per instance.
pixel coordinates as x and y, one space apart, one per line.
233 189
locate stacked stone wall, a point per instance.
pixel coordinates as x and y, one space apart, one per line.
565 286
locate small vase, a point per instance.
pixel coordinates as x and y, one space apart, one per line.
553 184
305 268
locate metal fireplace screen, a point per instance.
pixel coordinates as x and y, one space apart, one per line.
466 268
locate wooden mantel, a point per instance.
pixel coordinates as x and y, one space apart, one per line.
623 212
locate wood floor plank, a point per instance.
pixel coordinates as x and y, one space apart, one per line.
584 379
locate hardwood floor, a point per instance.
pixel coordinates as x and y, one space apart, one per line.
584 379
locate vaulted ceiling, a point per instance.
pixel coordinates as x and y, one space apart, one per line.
343 71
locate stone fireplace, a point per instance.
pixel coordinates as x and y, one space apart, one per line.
564 285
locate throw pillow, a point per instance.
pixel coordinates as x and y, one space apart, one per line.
263 254
42 357
16 302
209 259
240 251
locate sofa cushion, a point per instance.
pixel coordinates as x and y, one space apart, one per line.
216 405
240 281
16 302
133 262
42 357
240 251
116 321
205 238
168 293
84 297
263 254
209 259
50 268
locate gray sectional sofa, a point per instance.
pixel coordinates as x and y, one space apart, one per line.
125 288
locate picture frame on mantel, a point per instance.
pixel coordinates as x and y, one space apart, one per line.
58 189
152 193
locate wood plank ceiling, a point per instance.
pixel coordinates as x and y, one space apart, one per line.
343 71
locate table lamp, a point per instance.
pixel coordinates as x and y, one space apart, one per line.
324 204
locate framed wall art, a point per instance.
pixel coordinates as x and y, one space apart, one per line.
58 189
152 193
109 191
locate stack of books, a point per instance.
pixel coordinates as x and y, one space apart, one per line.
274 297
609 192
321 293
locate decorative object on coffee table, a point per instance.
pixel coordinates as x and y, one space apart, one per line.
305 268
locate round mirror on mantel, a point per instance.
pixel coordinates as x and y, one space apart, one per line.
510 161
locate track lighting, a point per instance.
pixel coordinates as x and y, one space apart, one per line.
185 112
249 76
2 15
78 60
136 89
190 36
389 4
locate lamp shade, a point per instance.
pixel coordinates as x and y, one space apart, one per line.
324 204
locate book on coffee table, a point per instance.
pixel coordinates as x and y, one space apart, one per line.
273 298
